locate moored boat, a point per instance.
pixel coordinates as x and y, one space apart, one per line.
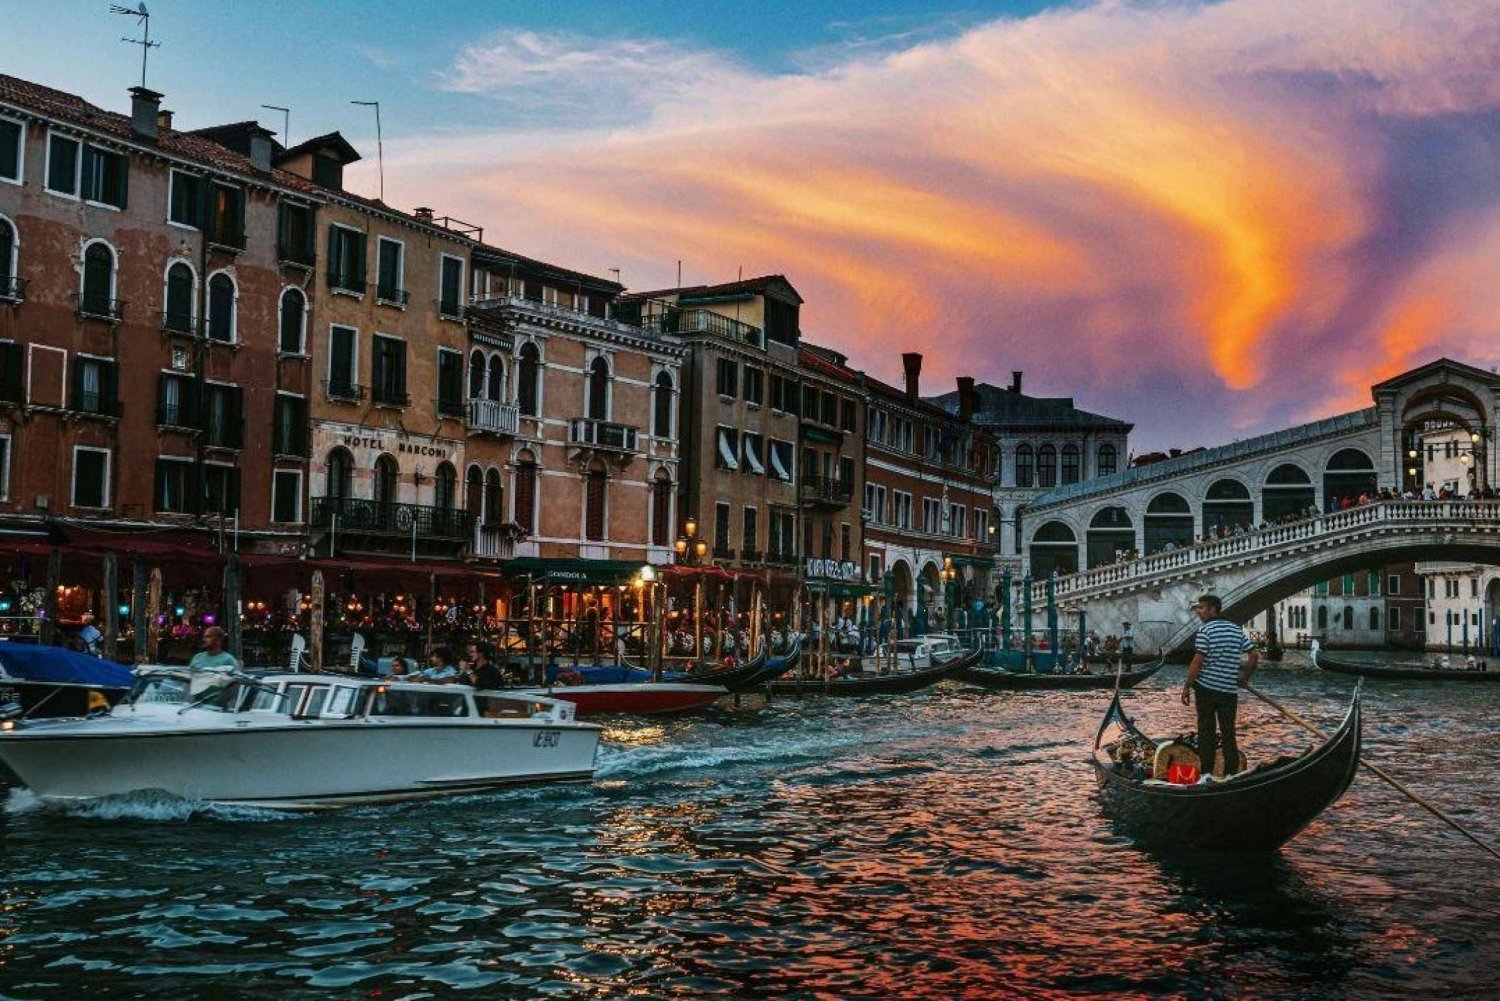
632 698
1257 810
300 742
1001 679
1403 672
869 683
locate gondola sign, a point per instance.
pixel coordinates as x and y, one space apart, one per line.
844 571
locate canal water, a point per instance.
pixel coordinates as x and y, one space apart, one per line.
945 845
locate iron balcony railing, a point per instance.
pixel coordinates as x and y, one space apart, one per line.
750 554
603 434
494 417
357 514
178 322
292 252
450 309
98 307
824 490
346 281
392 296
12 288
701 321
338 389
93 402
176 415
389 396
227 235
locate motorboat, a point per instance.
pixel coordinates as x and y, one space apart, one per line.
51 681
300 741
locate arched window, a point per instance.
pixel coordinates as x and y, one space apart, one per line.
1046 466
1349 474
1169 523
1227 506
494 498
1053 548
293 321
476 375
1108 460
444 486
98 280
10 288
1348 618
1323 618
528 381
178 314
661 509
595 501
1070 464
661 409
386 475
598 408
1374 619
221 308
1111 536
1025 466
474 492
340 473
526 489
495 386
1288 493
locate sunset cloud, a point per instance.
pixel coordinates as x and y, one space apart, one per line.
1210 219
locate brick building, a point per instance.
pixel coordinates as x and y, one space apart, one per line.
830 482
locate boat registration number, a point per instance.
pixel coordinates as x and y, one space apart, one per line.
546 738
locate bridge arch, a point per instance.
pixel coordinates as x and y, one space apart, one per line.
1111 533
1054 547
1288 491
1227 505
1168 522
1348 473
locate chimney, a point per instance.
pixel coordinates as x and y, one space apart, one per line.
1015 382
912 362
965 398
423 213
163 120
145 105
260 148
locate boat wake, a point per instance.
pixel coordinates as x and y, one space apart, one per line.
150 805
642 762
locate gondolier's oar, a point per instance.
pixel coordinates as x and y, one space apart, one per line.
1380 772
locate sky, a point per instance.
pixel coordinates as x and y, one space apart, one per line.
1210 219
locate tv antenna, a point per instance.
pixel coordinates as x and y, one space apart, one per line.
143 17
379 146
286 123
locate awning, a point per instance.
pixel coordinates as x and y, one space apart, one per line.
776 465
752 456
840 589
721 573
726 453
572 571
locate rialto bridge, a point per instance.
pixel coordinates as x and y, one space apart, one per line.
1254 521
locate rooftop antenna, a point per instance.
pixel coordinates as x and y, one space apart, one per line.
379 146
679 273
616 273
143 17
286 123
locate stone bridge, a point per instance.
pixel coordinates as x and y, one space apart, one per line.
1249 572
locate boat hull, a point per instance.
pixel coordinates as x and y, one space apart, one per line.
1383 673
1002 680
645 698
369 760
898 683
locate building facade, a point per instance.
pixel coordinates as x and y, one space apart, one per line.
831 484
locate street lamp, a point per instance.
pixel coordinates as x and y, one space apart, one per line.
647 580
949 576
690 547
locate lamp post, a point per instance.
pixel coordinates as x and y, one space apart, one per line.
691 549
949 576
647 581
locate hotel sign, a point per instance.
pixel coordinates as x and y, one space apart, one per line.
846 572
394 442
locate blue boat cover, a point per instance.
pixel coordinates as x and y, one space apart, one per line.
54 665
609 675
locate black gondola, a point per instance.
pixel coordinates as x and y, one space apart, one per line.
739 678
1402 672
776 667
879 684
1259 810
1001 679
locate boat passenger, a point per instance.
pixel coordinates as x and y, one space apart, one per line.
487 676
400 668
213 656
439 667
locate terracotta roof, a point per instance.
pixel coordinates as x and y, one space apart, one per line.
749 286
498 255
335 139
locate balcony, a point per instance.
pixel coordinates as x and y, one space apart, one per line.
372 517
389 396
98 307
346 281
450 408
344 392
226 236
297 254
175 322
701 321
493 417
12 289
820 491
96 404
450 309
591 433
176 415
493 542
389 295
750 555
723 553
779 558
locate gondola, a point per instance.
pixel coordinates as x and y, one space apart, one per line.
777 667
739 678
1258 810
879 684
1402 672
1001 679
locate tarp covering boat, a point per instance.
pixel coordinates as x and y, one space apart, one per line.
26 662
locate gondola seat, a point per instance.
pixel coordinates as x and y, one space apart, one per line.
1175 752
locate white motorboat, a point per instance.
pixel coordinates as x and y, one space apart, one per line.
300 742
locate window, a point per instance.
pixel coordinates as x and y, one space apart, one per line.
526 471
830 409
95 382
903 509
721 527
783 393
388 372
1473 587
286 495
10 246
223 415
346 260
981 525
294 233
181 293
846 415
753 449
387 481
221 489
781 321
726 455
726 379
98 297
226 216
1025 466
174 486
12 149
1393 619
289 429
845 541
293 322
477 370
445 486
1393 584
528 381
1108 460
754 385
90 477
1070 464
62 164
388 272
598 401
1046 466
451 285
782 463
221 308
175 397
661 510
450 387
595 500
340 473
749 530
494 498
957 515
495 379
185 200
87 172
932 515
343 343
661 406
1374 618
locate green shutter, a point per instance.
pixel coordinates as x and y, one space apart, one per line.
333 253
10 372
235 411
109 388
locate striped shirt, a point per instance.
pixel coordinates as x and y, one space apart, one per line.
1221 642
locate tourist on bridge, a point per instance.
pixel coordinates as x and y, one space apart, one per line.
1215 678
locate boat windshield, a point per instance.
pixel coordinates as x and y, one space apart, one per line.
406 702
160 688
909 646
508 707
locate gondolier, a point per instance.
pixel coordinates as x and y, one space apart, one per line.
1215 677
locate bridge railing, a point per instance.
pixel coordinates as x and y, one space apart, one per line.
1163 564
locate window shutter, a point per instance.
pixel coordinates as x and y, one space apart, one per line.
109 388
232 490
124 163
159 495
360 249
196 489
235 415
77 383
398 359
299 425
10 372
208 213
334 263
